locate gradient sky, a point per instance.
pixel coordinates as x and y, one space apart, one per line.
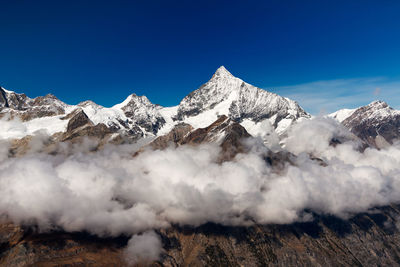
325 54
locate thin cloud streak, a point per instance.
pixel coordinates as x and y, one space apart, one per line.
322 97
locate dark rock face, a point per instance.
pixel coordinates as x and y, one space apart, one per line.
3 99
152 127
80 127
232 142
207 134
375 123
78 119
175 136
224 131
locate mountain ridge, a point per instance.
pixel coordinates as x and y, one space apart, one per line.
223 94
377 123
261 112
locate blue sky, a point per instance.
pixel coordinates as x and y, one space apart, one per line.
323 97
325 54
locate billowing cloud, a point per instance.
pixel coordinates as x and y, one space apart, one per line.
143 248
111 192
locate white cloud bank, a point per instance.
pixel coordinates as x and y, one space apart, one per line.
110 192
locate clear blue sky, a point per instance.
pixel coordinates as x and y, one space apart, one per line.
106 50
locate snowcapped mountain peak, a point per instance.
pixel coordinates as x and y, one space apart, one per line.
379 104
221 85
222 72
140 99
134 100
375 108
224 94
375 120
141 112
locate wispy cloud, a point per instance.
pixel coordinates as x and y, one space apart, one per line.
323 97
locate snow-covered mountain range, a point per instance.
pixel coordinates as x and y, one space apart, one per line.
136 116
260 112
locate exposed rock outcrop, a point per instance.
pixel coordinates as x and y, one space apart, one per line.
78 119
175 136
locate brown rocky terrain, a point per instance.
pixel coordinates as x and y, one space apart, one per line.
364 240
223 131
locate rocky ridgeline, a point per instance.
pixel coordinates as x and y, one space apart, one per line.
137 117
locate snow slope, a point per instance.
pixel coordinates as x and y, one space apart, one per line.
341 114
